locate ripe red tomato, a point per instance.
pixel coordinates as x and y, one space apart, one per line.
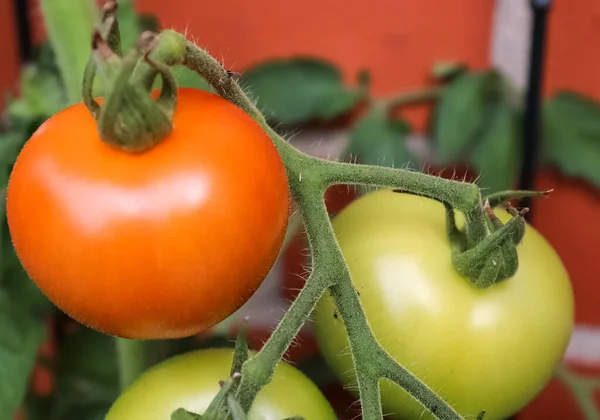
160 244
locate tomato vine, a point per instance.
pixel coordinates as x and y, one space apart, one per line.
483 239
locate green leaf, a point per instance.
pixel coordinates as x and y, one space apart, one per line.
10 145
377 139
298 90
69 24
87 377
337 104
182 414
572 135
129 24
20 339
460 116
497 155
42 95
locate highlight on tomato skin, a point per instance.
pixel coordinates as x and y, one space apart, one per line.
480 349
153 245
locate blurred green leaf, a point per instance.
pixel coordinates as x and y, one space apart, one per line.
20 339
338 104
460 115
572 135
14 282
497 155
298 90
22 305
87 380
129 24
11 143
42 95
69 24
377 139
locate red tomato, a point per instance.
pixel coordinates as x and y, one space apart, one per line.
160 244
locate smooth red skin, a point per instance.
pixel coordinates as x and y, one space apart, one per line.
162 244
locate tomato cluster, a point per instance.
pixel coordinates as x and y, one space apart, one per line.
168 242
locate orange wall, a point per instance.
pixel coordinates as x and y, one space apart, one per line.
398 39
574 47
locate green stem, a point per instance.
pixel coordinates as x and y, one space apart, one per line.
330 270
132 360
583 390
413 97
500 197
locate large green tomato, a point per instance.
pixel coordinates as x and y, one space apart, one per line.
192 380
491 350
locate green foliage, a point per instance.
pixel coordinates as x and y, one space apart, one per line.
22 334
572 135
69 32
378 139
299 90
87 380
497 155
476 119
22 305
462 112
129 24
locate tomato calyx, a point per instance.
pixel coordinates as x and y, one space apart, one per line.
489 256
129 118
494 258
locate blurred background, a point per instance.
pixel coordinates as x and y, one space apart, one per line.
437 86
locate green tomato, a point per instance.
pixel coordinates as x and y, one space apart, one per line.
491 350
191 381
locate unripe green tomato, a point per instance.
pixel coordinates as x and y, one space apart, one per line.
492 349
191 381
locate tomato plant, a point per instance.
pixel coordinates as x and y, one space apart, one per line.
157 217
492 349
191 381
159 244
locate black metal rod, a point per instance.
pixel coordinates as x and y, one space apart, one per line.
531 123
21 13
